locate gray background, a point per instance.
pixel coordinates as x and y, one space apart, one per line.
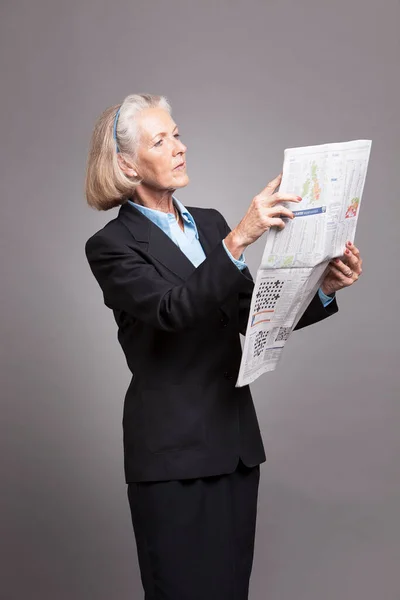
246 80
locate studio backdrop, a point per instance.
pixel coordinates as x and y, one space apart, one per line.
245 80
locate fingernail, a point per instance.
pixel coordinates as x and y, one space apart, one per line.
347 251
336 260
349 243
298 198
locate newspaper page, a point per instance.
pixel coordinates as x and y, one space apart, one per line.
330 180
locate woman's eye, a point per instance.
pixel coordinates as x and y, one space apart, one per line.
176 135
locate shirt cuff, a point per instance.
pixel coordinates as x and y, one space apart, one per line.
324 298
239 262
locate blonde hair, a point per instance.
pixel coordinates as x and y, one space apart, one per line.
106 185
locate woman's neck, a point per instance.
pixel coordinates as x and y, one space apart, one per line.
155 199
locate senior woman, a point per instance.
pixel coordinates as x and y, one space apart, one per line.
176 280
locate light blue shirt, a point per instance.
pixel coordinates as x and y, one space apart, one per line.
188 240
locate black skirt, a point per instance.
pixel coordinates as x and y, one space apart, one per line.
195 537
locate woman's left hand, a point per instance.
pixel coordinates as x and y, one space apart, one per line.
343 273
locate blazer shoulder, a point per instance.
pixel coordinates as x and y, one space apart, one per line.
209 211
112 232
209 215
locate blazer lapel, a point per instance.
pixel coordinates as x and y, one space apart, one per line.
157 243
160 245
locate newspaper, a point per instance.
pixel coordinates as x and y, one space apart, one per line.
330 180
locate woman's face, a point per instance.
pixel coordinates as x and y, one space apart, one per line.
161 153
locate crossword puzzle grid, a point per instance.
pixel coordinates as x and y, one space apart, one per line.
268 295
260 339
283 334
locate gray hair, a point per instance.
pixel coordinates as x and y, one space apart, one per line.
106 185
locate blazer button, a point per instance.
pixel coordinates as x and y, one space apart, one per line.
223 322
227 375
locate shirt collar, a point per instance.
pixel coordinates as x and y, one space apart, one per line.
161 218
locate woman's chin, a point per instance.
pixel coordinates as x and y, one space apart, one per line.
181 181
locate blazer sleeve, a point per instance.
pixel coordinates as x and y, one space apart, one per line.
314 312
131 283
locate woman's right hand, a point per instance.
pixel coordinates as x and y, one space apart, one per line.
264 212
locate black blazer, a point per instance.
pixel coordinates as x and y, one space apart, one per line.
179 326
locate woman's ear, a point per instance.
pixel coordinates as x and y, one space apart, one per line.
126 165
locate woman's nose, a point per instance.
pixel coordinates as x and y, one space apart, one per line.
179 147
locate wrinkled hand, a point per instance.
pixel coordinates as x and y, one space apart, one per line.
264 212
343 273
